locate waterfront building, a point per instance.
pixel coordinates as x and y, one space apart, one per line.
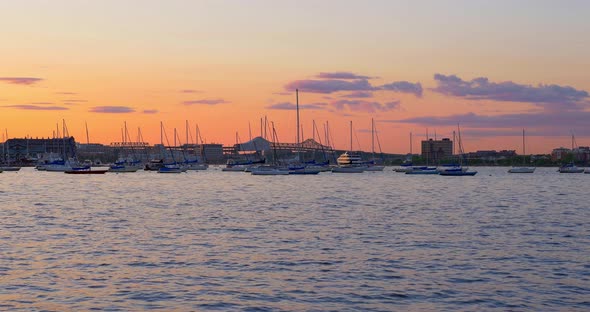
560 153
23 149
436 150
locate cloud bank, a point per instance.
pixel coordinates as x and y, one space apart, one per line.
205 102
403 87
20 80
112 109
341 75
292 106
365 106
347 81
36 107
482 89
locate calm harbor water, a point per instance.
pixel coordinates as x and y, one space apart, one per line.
213 240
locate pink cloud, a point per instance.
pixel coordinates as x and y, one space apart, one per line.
20 80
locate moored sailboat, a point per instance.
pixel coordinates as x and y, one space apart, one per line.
571 167
522 169
457 170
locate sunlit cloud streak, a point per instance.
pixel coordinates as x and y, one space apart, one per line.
365 106
345 81
561 123
36 107
206 102
20 80
358 95
482 89
150 111
341 75
112 109
190 91
329 86
291 106
403 87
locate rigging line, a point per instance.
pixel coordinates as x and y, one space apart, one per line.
168 143
358 142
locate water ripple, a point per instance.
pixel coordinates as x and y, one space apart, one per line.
215 241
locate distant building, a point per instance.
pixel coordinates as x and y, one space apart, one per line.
560 153
582 153
435 150
492 155
21 148
212 152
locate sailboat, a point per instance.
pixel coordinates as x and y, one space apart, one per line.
299 167
123 165
522 169
194 164
372 165
571 167
457 170
349 162
61 164
271 169
407 164
172 167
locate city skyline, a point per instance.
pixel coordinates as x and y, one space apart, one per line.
494 68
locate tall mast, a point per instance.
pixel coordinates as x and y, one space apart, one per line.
326 133
373 137
186 142
523 146
249 131
351 136
127 136
87 137
265 127
454 139
410 143
297 106
161 134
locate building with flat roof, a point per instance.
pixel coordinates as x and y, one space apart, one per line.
436 150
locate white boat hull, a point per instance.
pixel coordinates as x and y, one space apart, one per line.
375 168
198 167
571 170
269 171
521 170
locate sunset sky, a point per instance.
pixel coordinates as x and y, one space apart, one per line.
495 67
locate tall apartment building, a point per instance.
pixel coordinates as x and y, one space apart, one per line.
436 150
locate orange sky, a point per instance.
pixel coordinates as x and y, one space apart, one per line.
231 61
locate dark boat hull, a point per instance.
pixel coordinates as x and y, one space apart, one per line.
103 171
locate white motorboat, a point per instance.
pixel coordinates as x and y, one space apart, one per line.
521 170
570 168
269 170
